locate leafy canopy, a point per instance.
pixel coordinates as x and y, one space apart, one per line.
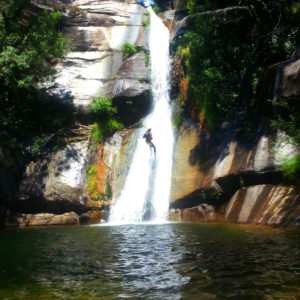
29 43
226 53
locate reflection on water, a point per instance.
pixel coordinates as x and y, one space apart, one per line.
171 261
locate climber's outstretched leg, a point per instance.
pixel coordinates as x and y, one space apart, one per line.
153 147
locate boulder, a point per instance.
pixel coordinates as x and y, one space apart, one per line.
92 217
44 219
291 79
133 77
55 184
86 218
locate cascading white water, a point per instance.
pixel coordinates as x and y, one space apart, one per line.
147 188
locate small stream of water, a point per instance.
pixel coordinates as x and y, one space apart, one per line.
146 193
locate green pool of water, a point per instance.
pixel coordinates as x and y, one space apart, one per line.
171 261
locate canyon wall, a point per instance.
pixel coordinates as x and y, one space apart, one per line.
56 181
232 175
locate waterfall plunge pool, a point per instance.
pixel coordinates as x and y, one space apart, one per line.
170 261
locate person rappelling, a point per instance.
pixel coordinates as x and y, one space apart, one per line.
148 137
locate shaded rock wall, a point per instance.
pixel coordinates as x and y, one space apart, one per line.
259 204
234 174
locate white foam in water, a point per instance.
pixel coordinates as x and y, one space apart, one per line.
147 188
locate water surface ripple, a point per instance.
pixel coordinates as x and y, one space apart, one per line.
170 261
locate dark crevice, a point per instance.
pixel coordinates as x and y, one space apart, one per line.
226 187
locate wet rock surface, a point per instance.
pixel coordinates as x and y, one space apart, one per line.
117 155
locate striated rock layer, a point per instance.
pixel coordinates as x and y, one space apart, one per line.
94 66
235 175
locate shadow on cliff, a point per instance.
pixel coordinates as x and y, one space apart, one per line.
132 109
214 146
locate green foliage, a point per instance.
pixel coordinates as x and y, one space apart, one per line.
128 50
291 167
288 118
92 185
147 22
225 54
177 120
36 146
29 43
104 115
104 128
108 190
147 59
156 9
92 188
102 107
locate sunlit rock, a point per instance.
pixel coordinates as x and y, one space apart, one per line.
284 148
117 155
264 204
260 204
57 183
94 66
291 79
23 220
226 161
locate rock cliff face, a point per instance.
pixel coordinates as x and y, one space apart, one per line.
94 66
228 175
221 177
56 182
232 175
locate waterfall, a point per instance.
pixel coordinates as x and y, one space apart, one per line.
145 196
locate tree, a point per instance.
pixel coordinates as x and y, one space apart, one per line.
29 42
226 50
